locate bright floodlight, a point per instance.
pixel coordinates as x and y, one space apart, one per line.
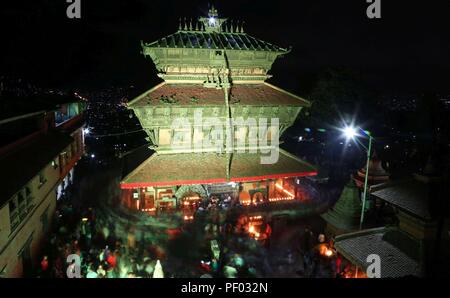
87 131
212 21
349 132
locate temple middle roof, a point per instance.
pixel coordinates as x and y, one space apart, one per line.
196 95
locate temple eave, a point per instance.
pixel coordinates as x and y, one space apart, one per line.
213 181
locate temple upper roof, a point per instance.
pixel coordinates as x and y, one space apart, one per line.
202 48
214 40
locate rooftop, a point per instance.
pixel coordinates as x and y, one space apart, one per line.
210 168
213 32
194 94
398 252
214 40
412 195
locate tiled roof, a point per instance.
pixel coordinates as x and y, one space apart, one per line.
411 195
208 168
214 40
21 165
194 94
395 262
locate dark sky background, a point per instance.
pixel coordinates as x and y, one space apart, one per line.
407 50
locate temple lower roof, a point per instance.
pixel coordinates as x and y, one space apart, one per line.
194 94
210 168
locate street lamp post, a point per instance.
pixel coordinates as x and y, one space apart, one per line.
351 133
365 181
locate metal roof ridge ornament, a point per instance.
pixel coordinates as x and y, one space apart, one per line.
212 23
185 24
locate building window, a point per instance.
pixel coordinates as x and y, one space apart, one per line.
73 150
42 179
165 136
198 136
44 221
13 214
182 137
54 164
20 206
240 136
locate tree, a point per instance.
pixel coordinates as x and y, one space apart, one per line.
339 93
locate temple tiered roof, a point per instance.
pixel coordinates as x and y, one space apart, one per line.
190 94
200 51
214 40
208 168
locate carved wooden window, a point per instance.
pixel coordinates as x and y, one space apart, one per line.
165 136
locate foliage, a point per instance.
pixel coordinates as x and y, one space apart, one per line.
168 99
194 99
339 93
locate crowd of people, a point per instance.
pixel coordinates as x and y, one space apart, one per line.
100 253
228 246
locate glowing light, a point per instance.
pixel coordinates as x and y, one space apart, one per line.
212 21
148 209
86 130
281 199
84 219
92 155
186 199
325 251
256 217
349 132
284 190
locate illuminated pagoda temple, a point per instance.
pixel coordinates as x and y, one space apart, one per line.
212 69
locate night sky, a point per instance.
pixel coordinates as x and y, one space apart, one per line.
406 51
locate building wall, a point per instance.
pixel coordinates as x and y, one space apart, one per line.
12 241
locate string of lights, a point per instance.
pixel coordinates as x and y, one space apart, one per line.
112 134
